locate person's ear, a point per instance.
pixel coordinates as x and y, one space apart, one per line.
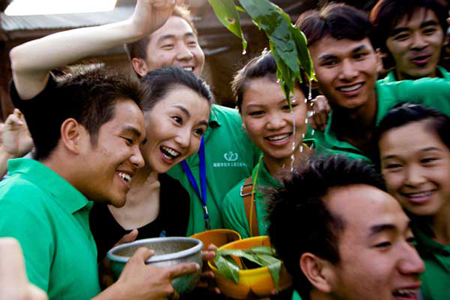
139 66
319 272
71 134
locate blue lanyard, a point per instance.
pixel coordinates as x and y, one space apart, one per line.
202 195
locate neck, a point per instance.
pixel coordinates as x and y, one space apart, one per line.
64 167
356 120
318 295
402 76
276 165
142 205
440 224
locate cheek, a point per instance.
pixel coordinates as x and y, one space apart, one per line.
393 182
254 128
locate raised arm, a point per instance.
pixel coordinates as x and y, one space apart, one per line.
31 62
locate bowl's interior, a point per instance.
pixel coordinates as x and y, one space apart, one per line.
160 247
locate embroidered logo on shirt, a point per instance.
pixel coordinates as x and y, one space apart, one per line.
231 160
231 156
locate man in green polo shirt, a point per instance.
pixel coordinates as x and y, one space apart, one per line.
87 128
229 154
347 68
411 35
331 249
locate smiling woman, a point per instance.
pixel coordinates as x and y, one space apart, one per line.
46 7
176 106
414 150
273 126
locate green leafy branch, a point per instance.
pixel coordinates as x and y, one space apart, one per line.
287 43
262 256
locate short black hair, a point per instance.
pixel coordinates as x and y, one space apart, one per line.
299 219
339 21
138 49
158 83
407 113
387 13
89 96
263 65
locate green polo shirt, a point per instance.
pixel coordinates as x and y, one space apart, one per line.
233 209
441 73
230 156
296 296
431 92
50 219
436 278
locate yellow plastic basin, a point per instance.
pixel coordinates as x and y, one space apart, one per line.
218 237
252 283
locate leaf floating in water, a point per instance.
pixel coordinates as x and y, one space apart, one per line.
261 256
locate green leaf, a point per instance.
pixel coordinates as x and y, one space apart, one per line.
240 8
227 268
227 13
275 270
262 255
303 52
263 250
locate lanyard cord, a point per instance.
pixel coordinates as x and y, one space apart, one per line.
252 203
201 195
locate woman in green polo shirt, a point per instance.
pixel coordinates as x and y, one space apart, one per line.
276 130
414 145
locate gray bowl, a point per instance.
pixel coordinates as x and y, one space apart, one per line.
169 251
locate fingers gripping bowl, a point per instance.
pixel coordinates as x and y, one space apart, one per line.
169 251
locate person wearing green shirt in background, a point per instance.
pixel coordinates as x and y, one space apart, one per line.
347 67
228 155
414 145
341 236
87 128
411 35
276 130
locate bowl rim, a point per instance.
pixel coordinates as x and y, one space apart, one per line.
156 258
248 272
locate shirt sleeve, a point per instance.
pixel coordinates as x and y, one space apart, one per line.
431 92
31 227
40 112
233 212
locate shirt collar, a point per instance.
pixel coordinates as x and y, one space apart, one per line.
213 120
60 189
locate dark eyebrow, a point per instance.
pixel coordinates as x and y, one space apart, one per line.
165 37
430 149
376 229
359 48
327 57
203 123
428 23
132 130
398 30
421 150
183 109
172 36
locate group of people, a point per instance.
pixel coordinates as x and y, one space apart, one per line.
356 207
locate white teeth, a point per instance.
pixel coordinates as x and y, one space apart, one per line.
278 137
420 195
169 153
125 176
188 69
350 88
406 292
